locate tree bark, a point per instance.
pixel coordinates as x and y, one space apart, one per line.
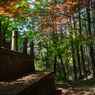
87 50
78 56
67 60
0 34
55 60
81 49
90 43
43 60
60 56
73 52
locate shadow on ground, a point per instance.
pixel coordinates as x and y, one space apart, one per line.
83 87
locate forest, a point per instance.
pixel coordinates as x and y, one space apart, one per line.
63 32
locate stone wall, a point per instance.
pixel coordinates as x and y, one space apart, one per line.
13 64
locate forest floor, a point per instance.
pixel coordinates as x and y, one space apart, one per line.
83 87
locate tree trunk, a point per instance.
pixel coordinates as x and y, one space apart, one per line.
59 69
74 62
81 49
47 63
87 50
90 43
78 56
67 63
60 56
43 60
55 60
0 34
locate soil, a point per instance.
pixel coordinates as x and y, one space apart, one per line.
83 87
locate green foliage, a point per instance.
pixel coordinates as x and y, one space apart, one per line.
46 46
21 4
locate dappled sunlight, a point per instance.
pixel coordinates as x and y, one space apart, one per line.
25 79
23 82
59 35
84 87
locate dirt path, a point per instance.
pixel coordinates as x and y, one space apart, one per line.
84 87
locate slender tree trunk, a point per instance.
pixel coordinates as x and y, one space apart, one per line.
55 60
90 43
60 56
66 50
59 69
74 62
43 60
81 49
67 63
62 64
0 34
93 16
78 56
87 50
82 58
47 63
88 56
73 52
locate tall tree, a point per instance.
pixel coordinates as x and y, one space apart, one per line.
78 56
90 43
